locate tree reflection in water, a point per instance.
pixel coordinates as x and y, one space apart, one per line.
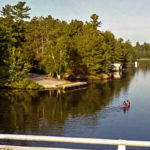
43 112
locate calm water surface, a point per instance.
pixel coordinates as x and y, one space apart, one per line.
93 112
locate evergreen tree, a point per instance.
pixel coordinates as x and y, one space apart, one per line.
17 12
17 65
94 21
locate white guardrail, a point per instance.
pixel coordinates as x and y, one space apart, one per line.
120 143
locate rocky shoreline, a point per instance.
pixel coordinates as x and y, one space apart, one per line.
52 83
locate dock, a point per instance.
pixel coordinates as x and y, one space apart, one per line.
74 85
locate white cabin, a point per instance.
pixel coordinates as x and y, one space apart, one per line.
116 67
136 64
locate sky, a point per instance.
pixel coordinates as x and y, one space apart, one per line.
129 19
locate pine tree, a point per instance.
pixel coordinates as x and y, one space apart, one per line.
17 64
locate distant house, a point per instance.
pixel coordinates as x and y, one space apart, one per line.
116 67
136 64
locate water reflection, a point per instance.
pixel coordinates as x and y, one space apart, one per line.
117 74
144 66
37 112
126 109
93 112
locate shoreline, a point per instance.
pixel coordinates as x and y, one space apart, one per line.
53 83
46 82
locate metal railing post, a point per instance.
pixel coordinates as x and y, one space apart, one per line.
121 147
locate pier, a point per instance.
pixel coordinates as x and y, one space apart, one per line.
74 85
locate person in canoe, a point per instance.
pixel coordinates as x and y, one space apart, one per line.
126 104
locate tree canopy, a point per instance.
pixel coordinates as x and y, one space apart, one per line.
56 47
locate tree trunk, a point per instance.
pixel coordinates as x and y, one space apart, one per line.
42 47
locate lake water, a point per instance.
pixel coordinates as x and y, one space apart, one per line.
93 112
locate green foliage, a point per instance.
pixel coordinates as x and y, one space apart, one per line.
95 23
13 27
57 47
76 47
55 57
17 66
142 51
5 33
17 12
24 84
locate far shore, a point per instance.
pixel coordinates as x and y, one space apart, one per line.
144 59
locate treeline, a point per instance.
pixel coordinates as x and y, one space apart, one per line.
142 50
56 47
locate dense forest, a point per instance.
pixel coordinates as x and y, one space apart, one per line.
142 50
55 47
